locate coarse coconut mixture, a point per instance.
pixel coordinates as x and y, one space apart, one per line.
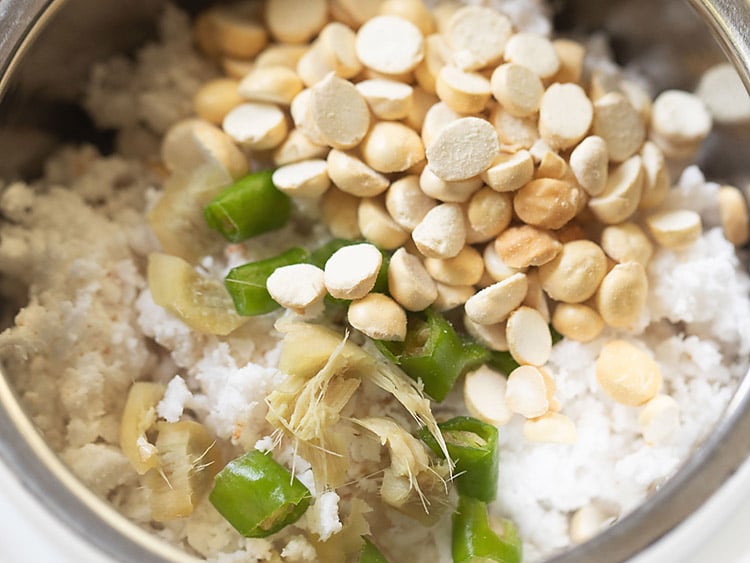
73 253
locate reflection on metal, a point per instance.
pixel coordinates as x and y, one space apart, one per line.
22 22
25 451
729 21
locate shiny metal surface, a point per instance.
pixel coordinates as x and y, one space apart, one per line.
22 20
729 444
43 473
21 446
729 21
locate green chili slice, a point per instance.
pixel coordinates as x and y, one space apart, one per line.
250 206
556 336
475 541
381 282
258 496
434 353
370 553
472 445
501 361
247 283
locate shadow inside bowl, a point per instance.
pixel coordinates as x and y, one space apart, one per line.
41 87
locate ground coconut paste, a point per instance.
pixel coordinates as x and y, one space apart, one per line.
375 281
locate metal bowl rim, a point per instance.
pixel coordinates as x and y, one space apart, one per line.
44 475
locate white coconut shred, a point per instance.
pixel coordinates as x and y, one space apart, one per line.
73 251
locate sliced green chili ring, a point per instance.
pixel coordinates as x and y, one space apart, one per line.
472 445
556 336
258 496
473 540
250 206
247 283
381 282
370 553
502 361
434 353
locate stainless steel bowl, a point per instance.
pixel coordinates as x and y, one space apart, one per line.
46 47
